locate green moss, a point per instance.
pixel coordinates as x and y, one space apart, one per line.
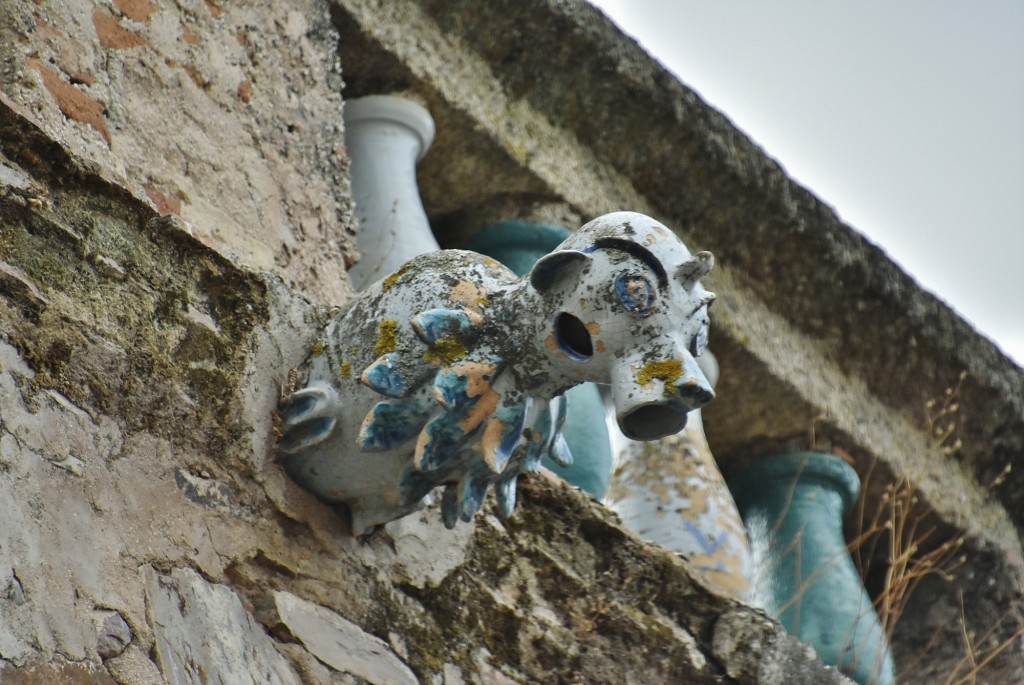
121 342
427 646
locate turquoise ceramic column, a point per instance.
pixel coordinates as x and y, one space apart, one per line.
517 245
793 506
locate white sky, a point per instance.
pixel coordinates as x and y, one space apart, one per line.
907 117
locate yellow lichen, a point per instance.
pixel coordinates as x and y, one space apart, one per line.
446 351
346 369
318 348
393 278
387 338
668 371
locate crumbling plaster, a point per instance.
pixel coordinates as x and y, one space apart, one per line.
225 115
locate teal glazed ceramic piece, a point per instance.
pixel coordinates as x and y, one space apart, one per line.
793 506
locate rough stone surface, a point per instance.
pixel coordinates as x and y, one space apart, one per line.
58 671
336 641
114 634
749 647
228 116
204 635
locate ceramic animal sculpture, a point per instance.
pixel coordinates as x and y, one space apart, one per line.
449 372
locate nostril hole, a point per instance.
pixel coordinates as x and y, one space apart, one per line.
695 395
573 337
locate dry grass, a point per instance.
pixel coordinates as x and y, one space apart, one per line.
912 554
899 531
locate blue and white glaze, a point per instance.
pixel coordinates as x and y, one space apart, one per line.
670 492
449 373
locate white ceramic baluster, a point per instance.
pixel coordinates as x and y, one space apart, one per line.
386 136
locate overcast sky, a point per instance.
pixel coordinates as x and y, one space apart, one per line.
907 117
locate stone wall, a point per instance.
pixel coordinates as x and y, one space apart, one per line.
225 115
175 222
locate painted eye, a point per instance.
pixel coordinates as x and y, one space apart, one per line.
636 293
573 337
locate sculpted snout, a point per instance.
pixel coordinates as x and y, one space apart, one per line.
652 394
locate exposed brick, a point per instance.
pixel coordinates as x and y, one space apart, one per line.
72 102
165 204
68 51
188 34
112 34
81 77
139 10
196 76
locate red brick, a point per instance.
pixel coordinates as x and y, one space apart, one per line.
72 102
165 204
188 34
139 10
112 34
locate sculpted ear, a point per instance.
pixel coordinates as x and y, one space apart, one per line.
694 269
553 268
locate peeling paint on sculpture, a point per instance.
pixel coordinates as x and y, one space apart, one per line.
450 371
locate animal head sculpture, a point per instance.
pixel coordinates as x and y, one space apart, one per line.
449 373
627 308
